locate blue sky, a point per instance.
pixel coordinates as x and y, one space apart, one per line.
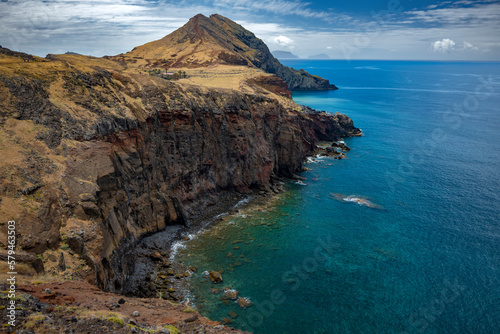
362 29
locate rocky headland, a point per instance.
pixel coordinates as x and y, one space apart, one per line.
101 153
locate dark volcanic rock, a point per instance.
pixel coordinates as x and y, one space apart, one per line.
139 155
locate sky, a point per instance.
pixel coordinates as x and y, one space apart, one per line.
340 29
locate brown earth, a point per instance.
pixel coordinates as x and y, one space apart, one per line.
78 307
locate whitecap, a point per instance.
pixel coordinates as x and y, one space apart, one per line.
175 248
355 199
367 68
242 202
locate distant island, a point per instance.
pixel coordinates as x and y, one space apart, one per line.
284 54
319 56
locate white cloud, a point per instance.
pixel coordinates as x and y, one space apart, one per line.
477 14
445 45
284 41
267 31
469 46
100 27
276 6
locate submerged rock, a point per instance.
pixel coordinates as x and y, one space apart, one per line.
244 302
231 293
215 276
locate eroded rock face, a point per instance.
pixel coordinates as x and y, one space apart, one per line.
140 154
272 83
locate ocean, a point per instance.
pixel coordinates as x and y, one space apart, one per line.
401 237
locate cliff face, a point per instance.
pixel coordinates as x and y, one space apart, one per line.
216 39
100 158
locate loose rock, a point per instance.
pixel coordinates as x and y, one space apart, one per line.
215 276
231 293
244 302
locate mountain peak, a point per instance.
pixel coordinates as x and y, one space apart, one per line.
215 40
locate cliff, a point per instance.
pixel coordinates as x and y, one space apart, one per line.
97 157
205 41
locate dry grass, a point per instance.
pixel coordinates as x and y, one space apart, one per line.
17 141
21 269
221 76
31 320
44 69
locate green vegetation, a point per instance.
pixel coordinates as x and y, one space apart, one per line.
142 329
116 320
172 329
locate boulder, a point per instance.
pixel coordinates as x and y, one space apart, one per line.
215 276
155 256
244 302
231 293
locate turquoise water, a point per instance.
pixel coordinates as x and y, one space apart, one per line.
426 261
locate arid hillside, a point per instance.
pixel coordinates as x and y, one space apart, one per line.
207 41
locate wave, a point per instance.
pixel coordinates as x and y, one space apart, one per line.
242 202
315 159
181 244
367 68
355 199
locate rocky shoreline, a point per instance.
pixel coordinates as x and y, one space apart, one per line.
157 272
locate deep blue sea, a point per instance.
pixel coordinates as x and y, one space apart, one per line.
425 260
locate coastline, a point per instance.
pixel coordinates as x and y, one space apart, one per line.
159 270
170 278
